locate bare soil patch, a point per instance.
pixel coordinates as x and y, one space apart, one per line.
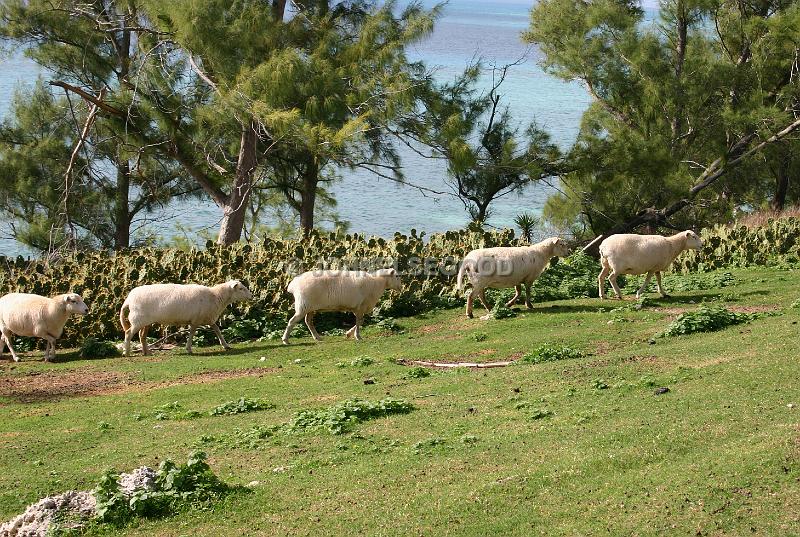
40 386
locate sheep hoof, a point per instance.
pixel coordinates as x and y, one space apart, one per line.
486 317
666 296
285 341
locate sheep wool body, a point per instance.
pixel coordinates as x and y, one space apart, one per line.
171 304
504 267
641 254
31 315
338 290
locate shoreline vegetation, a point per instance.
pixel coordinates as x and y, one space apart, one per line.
427 265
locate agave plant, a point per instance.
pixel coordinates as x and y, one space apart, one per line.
527 224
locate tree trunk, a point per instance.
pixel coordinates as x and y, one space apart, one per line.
682 23
278 8
122 217
308 196
781 184
235 207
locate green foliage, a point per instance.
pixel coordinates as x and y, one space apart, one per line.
362 361
193 484
243 404
599 384
775 244
340 418
572 277
480 336
105 279
527 224
705 319
389 324
548 352
488 154
418 373
92 348
540 413
501 311
651 121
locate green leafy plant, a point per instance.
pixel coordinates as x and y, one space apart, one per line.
500 311
93 348
239 406
340 418
705 319
192 484
362 361
481 336
548 352
418 373
540 413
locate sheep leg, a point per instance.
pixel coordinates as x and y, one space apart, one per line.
293 321
482 298
613 280
311 328
7 338
470 300
128 336
601 281
357 327
643 288
50 349
658 284
190 339
517 294
143 339
528 296
220 337
2 344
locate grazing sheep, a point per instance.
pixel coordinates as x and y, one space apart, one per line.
640 254
514 266
172 304
338 290
37 316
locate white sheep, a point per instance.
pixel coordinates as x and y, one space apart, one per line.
504 267
338 290
640 254
171 304
24 314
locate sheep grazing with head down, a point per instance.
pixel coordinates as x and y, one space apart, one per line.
504 267
641 254
37 316
172 304
338 290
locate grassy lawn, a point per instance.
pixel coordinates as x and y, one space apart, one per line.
574 447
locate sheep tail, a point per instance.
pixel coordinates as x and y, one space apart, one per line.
122 318
461 271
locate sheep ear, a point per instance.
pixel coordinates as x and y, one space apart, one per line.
233 284
66 299
392 272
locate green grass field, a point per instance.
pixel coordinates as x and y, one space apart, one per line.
573 447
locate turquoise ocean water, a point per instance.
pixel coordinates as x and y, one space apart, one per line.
467 30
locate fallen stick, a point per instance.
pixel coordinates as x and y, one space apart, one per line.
483 365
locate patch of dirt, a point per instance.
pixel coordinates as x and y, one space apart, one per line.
49 386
